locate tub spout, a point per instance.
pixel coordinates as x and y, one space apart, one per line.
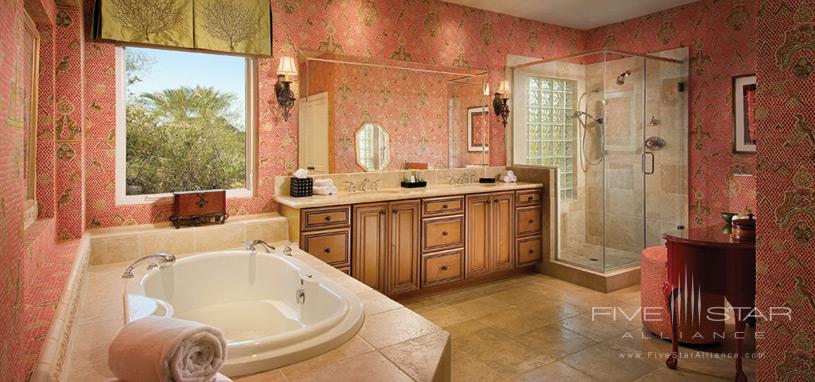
162 258
251 245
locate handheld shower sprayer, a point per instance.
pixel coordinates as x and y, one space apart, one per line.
621 78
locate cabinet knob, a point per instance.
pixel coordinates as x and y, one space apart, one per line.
444 267
531 221
394 211
327 250
444 233
444 206
327 218
529 198
531 251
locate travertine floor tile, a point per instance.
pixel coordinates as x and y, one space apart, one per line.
605 363
555 340
368 367
395 326
555 371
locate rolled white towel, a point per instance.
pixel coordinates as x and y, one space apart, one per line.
325 190
324 182
509 179
164 349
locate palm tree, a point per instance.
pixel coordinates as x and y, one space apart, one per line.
187 105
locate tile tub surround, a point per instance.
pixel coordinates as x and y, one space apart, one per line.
113 245
394 343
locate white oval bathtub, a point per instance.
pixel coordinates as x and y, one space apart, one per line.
253 299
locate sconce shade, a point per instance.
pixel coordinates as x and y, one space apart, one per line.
503 89
287 66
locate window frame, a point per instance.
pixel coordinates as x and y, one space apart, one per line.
121 132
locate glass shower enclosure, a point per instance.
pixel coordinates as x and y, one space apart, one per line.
614 126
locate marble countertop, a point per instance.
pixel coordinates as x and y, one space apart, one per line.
389 194
394 343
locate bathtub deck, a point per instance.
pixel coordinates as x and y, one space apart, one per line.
394 344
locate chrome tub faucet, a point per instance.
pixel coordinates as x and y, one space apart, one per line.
251 245
161 257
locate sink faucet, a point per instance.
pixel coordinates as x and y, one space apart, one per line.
163 258
250 245
350 186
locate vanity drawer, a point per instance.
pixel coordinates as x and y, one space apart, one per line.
442 233
321 218
443 206
442 267
528 220
529 251
333 247
525 198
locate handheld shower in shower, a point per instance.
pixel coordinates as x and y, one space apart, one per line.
585 162
621 78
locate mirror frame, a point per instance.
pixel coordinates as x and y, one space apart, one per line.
387 160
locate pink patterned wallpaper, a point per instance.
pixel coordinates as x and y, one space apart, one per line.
428 32
721 38
785 115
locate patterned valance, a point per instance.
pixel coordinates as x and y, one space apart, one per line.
235 26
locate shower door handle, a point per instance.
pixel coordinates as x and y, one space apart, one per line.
644 168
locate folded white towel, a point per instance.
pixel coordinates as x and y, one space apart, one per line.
325 190
509 178
164 349
301 173
324 182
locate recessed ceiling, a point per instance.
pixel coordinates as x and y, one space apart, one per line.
578 14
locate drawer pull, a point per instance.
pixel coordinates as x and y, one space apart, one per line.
529 198
444 206
531 251
444 267
327 218
327 250
531 221
444 233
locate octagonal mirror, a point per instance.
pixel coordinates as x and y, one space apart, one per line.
372 147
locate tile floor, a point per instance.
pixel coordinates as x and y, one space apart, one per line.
537 328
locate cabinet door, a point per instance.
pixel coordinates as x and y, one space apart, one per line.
370 244
502 231
403 261
478 235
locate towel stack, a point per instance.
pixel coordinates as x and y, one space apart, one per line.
509 177
167 349
324 186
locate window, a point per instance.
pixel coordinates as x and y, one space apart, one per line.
550 134
185 122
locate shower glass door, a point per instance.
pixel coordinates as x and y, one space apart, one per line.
589 117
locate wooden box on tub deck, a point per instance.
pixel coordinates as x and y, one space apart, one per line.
199 207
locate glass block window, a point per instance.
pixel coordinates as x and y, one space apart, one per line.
551 129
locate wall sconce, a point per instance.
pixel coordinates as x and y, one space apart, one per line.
499 103
286 71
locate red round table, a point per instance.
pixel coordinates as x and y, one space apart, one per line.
708 260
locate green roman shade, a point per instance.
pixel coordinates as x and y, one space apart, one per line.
235 26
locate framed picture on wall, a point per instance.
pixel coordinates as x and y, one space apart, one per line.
477 140
744 98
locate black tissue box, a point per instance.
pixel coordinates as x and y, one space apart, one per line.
301 187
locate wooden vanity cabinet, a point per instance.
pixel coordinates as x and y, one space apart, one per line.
402 246
370 244
529 227
490 233
403 259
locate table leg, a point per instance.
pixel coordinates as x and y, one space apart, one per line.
670 292
740 326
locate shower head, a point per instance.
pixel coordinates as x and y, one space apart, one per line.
621 78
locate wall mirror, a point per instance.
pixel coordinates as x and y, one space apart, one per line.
364 114
372 147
